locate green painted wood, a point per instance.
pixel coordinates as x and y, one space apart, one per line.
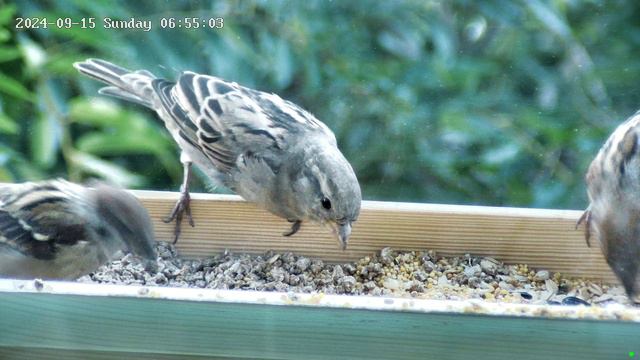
11 353
104 324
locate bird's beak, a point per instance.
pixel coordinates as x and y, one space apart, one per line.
342 233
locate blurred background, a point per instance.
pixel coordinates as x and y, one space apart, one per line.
463 102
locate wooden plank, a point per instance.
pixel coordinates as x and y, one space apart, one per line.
17 353
545 239
170 323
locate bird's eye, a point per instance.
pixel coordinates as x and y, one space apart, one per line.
326 203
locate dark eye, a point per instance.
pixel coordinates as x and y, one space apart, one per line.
326 203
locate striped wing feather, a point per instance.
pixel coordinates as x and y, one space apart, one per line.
226 120
36 218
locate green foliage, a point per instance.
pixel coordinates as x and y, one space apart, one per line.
493 102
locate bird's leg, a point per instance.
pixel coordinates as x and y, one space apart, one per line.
586 217
294 228
183 205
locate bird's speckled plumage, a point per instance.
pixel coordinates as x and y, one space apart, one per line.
613 215
266 149
60 230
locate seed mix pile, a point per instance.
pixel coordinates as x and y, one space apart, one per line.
397 273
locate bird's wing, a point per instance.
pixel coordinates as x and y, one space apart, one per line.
226 120
36 218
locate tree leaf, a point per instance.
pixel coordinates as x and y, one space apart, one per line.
7 125
6 13
14 88
9 53
34 55
45 140
95 112
283 64
101 143
106 170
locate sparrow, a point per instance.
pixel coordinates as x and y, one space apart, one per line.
613 214
266 149
56 229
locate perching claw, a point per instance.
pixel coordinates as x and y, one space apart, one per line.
586 217
294 228
183 205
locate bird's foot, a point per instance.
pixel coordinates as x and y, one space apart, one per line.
294 228
586 218
182 207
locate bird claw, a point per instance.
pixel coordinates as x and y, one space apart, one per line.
586 218
294 228
182 207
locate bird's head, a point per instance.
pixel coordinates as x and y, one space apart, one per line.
123 221
613 184
326 190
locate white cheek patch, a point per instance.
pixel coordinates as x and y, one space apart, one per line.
40 237
321 176
305 184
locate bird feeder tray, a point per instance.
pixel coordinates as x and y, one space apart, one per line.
54 320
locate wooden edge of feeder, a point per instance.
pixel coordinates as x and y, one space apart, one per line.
542 238
91 321
363 302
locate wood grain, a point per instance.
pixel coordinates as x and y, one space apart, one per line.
543 239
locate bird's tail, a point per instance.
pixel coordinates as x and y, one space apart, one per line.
134 86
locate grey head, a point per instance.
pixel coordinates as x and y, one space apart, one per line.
125 222
613 216
324 189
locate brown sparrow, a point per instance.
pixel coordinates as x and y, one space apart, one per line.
266 149
613 215
60 230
